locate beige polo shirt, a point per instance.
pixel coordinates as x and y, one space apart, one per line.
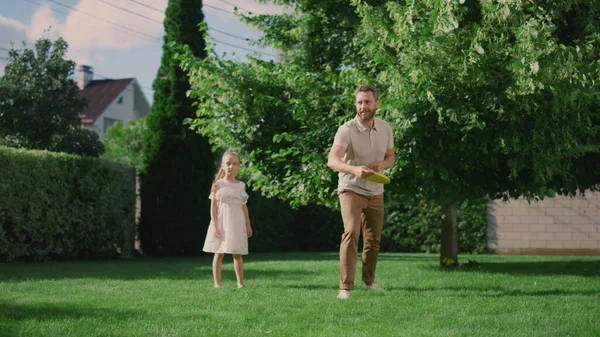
363 147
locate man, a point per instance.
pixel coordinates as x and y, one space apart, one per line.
361 147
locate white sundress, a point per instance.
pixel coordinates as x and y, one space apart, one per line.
231 220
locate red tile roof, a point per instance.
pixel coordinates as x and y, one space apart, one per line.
99 94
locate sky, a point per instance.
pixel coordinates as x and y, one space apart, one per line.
122 38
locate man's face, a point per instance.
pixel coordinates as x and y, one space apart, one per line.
366 106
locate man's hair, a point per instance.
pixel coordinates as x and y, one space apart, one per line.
367 88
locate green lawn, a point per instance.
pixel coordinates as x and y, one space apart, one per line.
295 295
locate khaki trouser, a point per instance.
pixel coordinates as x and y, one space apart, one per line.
366 213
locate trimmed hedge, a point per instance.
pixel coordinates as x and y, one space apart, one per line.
60 206
279 228
412 225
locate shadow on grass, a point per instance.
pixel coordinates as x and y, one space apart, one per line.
313 287
295 256
17 312
588 268
408 257
137 269
495 291
14 317
550 268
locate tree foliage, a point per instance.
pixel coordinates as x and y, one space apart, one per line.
282 116
39 103
124 143
487 98
490 98
177 166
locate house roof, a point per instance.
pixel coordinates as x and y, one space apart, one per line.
100 94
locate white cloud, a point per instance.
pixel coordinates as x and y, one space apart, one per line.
13 28
43 24
119 30
95 25
11 23
17 33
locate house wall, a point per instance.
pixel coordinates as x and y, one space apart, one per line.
553 226
123 112
141 107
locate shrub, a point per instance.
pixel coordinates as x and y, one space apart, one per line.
414 225
60 206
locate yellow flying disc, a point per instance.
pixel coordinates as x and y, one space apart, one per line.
378 178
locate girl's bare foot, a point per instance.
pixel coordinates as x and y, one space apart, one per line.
240 285
217 286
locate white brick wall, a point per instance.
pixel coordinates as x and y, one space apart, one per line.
556 226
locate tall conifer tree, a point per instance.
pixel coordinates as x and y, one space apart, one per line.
178 163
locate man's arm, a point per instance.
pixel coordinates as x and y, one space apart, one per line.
389 159
334 161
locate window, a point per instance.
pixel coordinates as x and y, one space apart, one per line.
108 122
120 100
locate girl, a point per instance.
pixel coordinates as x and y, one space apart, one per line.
230 223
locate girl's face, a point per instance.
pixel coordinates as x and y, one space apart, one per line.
230 164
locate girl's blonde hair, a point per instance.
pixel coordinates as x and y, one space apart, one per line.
221 173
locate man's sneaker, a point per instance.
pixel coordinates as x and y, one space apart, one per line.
373 286
344 294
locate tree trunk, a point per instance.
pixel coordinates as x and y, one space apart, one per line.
449 249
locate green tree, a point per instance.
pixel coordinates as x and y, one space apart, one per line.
282 116
39 104
490 98
124 144
177 167
487 98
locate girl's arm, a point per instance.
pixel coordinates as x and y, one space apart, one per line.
247 216
214 211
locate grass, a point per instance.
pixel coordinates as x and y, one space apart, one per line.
294 295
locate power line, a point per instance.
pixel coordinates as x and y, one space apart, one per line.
229 34
210 29
147 18
110 78
98 18
147 6
232 5
128 11
217 8
155 39
122 28
4 49
160 11
244 48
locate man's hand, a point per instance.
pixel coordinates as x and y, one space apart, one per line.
378 166
362 171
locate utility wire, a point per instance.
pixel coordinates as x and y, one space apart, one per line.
124 29
150 19
155 39
160 11
128 11
210 29
110 78
244 48
98 18
232 5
